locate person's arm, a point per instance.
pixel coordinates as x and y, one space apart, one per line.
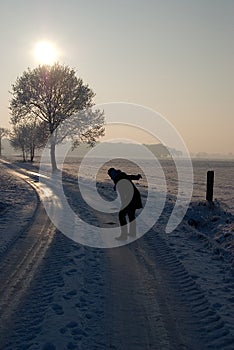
134 177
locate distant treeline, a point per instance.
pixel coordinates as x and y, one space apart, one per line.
134 150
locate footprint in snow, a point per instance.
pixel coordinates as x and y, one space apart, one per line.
71 272
71 324
72 346
79 256
57 309
70 294
49 346
83 290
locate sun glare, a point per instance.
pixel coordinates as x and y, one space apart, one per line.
45 52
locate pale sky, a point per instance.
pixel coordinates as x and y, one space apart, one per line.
174 56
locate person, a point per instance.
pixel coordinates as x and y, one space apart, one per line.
130 200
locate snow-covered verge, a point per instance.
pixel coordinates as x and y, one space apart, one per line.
179 286
203 243
215 224
18 202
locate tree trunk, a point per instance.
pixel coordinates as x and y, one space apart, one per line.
52 153
32 153
24 156
0 147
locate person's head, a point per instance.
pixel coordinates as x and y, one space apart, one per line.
112 172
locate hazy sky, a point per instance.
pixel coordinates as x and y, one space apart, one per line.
175 56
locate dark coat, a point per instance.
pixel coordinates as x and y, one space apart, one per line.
136 202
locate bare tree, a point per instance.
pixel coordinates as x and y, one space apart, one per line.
19 140
53 94
29 137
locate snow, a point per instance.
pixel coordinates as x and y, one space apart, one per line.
163 291
18 202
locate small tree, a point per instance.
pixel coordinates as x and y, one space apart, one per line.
3 133
20 140
53 94
28 138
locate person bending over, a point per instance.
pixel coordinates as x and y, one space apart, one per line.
130 201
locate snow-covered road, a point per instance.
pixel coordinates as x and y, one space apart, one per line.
159 292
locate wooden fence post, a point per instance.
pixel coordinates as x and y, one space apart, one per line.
210 185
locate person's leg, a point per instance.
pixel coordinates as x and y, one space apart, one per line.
123 224
122 217
132 222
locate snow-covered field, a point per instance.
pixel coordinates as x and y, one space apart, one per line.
163 291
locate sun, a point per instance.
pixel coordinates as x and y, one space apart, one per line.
45 52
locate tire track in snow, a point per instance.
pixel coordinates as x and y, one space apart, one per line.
203 320
22 259
135 319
